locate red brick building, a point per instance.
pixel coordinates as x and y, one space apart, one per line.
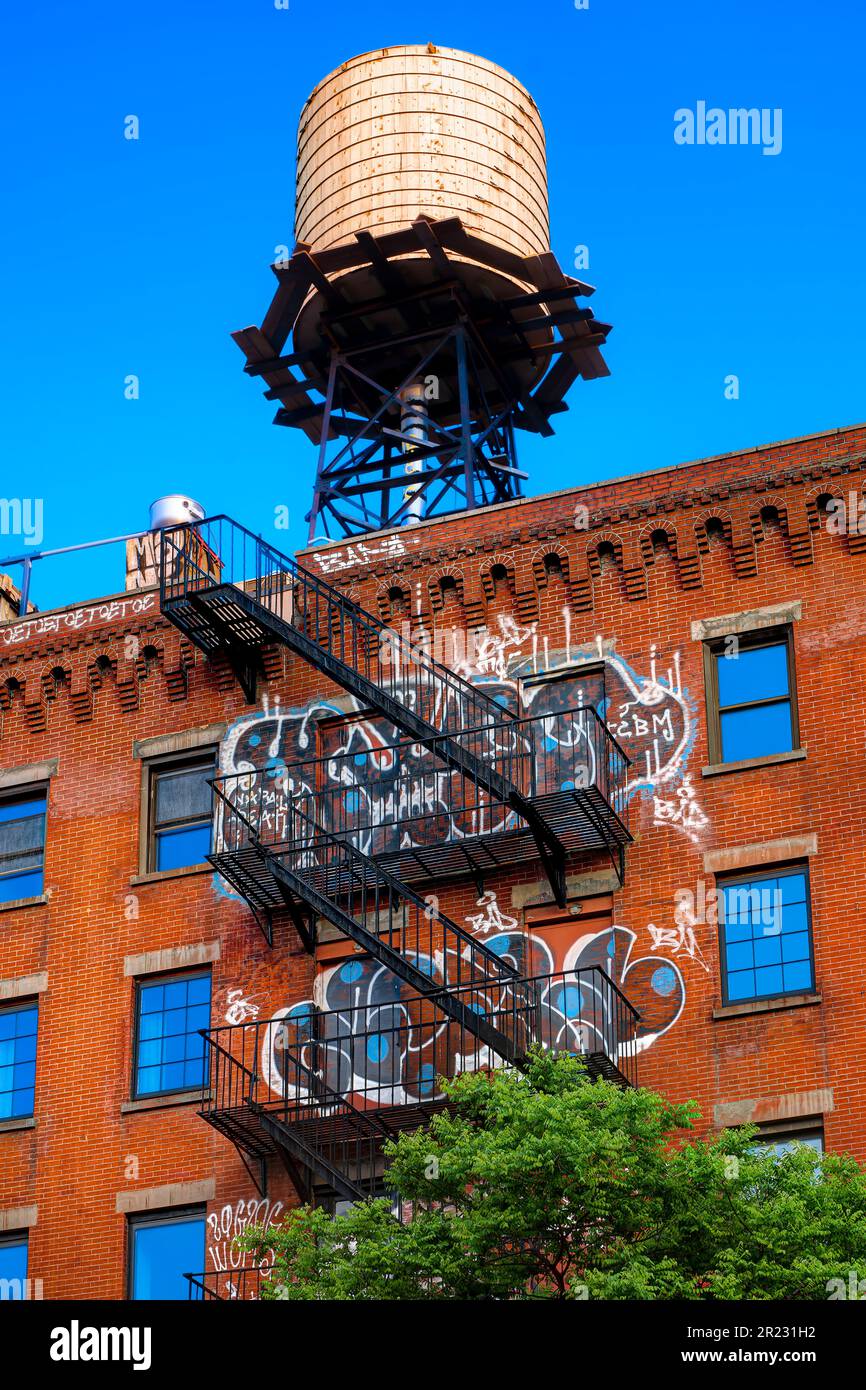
707 613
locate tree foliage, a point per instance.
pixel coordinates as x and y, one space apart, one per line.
545 1184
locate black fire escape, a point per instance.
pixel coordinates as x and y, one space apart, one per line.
320 1088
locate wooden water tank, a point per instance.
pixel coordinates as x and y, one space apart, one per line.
413 130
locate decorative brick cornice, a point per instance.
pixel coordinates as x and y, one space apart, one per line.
740 506
77 665
768 480
705 497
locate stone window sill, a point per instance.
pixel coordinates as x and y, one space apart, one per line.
131 1107
7 1126
15 903
160 874
766 1006
794 755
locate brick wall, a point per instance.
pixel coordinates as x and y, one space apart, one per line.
82 686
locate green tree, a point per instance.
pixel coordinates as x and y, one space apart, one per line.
545 1184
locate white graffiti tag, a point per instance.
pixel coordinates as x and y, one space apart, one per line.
681 811
494 651
491 918
363 553
225 1229
239 1009
77 618
679 940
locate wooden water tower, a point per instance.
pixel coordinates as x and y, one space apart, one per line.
422 319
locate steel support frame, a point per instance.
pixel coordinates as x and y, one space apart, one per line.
617 856
457 453
257 1168
263 915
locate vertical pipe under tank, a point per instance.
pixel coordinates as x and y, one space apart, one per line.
413 428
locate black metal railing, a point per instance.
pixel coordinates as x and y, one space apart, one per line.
381 913
316 1063
246 1282
251 1100
384 798
219 554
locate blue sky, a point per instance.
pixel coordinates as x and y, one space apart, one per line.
140 257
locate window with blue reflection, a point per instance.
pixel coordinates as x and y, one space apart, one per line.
17 1060
162 1250
22 845
13 1266
181 810
170 1054
755 709
781 1144
766 936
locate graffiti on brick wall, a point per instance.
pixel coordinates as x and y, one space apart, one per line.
387 798
491 919
366 1034
494 653
224 1230
651 716
272 738
362 553
76 618
652 983
383 797
681 811
238 1008
680 939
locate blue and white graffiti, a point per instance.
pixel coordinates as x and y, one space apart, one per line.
367 1036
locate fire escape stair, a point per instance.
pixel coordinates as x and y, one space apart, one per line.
329 877
400 963
332 1180
329 1146
232 594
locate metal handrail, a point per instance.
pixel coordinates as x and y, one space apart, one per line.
366 1056
419 787
182 548
512 723
206 1284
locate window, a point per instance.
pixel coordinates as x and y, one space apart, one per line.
180 812
170 1054
17 1060
339 1206
553 695
751 696
22 844
13 1265
163 1247
781 1140
766 936
567 748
